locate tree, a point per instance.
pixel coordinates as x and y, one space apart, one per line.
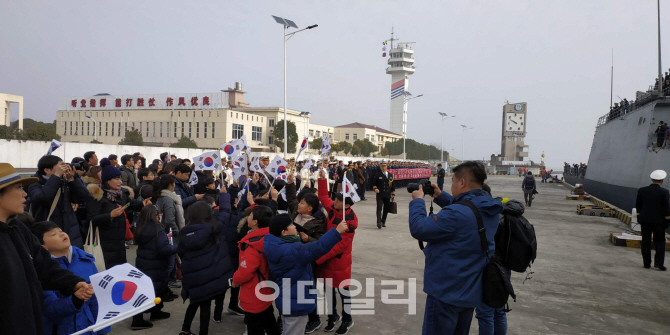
184 142
345 147
133 137
316 143
415 150
366 147
335 147
384 152
40 132
278 135
355 150
96 142
7 133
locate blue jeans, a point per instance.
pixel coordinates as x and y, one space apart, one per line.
444 319
492 321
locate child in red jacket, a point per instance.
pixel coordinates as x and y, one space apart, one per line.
258 314
336 265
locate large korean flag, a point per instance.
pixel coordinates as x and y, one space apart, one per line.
208 161
277 166
122 292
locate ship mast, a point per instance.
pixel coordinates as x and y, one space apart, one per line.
660 71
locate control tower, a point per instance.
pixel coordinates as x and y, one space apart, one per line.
401 66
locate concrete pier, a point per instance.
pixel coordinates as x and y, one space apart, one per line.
582 284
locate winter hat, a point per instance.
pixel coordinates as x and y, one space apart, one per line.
279 224
108 170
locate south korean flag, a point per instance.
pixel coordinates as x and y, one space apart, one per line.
349 190
208 161
122 292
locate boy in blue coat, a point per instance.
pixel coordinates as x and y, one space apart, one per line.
290 263
67 314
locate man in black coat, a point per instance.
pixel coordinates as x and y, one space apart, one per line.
440 176
653 210
57 179
383 186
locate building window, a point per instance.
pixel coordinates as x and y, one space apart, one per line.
204 126
355 136
270 140
318 133
202 113
118 132
125 128
256 133
82 128
160 126
182 129
271 122
197 130
167 130
153 130
88 128
106 129
213 129
175 130
97 132
238 131
186 113
179 113
346 137
112 128
311 133
147 134
189 130
210 113
76 128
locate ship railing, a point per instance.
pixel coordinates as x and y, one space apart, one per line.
621 111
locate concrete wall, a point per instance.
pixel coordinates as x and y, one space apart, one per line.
25 154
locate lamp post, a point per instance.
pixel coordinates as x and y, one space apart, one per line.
463 142
407 97
287 24
443 115
95 127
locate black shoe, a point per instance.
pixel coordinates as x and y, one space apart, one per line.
235 310
384 224
660 267
379 225
332 323
217 319
160 315
141 325
312 326
647 266
168 298
174 284
344 327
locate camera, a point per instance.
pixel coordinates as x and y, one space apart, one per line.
78 166
427 187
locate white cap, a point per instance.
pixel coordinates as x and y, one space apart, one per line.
658 175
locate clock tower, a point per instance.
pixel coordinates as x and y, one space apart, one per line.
514 131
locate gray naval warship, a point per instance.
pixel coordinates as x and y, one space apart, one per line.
625 151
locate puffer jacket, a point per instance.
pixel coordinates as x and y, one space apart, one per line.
206 266
42 195
336 264
528 183
293 261
185 191
153 254
314 228
253 269
61 316
112 230
454 259
229 221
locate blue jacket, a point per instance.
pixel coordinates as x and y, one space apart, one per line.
205 264
60 314
454 258
42 195
293 261
185 191
229 221
153 254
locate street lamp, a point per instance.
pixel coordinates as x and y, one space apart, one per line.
288 24
95 127
444 115
463 142
407 97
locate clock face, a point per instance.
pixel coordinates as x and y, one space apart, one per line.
515 122
517 107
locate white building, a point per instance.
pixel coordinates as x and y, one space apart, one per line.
401 66
5 101
358 131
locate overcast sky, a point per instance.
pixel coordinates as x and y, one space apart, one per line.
471 56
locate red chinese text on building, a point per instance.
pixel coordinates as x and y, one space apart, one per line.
205 101
169 101
181 102
73 103
129 102
152 102
92 103
194 101
83 103
103 102
118 102
140 102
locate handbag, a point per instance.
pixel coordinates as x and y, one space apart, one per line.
393 208
93 247
496 285
129 233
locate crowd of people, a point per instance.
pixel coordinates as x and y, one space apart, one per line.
624 106
193 235
578 170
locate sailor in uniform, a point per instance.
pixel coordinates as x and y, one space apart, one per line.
383 186
653 212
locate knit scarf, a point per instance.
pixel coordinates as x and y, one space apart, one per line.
177 201
290 238
113 195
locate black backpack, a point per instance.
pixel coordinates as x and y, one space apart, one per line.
530 183
516 245
496 285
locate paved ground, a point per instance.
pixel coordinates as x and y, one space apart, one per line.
581 284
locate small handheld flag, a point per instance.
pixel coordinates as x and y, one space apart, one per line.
208 161
303 146
193 180
349 190
55 144
308 164
256 165
235 147
325 146
122 292
277 166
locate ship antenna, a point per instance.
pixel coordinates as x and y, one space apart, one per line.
612 80
660 73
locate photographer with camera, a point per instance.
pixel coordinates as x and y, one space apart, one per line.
454 258
385 189
51 198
